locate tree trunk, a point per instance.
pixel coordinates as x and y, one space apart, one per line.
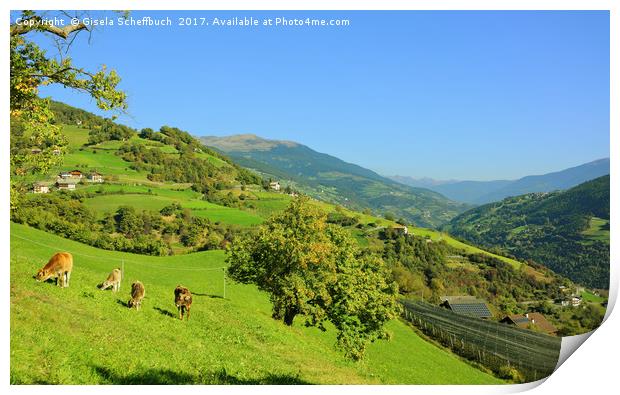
289 315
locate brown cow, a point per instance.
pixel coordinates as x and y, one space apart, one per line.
113 280
137 294
183 300
58 267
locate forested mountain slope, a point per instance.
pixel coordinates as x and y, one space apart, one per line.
566 231
330 179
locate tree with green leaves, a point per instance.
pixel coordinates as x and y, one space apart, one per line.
315 269
35 140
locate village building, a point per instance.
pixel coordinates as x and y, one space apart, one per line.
467 305
94 177
530 321
401 229
66 184
71 174
35 151
76 173
39 187
575 301
56 152
275 185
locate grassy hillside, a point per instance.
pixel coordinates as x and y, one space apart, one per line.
81 335
566 231
330 179
155 202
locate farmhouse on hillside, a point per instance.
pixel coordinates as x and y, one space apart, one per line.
39 187
94 177
70 174
275 185
529 320
76 173
66 184
468 305
401 229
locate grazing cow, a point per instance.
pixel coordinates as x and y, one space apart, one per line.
137 294
183 300
58 267
113 280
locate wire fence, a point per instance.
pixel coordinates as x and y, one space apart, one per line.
494 345
121 260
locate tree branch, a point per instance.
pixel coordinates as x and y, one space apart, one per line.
36 23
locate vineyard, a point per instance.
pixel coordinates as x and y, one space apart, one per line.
500 347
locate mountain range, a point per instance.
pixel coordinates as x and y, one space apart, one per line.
328 178
481 192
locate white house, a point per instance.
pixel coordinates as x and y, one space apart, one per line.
66 184
275 185
402 229
94 177
40 188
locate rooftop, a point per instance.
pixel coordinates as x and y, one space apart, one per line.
468 305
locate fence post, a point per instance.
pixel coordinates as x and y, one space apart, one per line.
224 271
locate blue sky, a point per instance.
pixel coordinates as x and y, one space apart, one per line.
459 95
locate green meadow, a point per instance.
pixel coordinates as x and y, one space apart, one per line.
82 335
598 229
156 201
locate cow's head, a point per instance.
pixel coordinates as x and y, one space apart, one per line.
43 275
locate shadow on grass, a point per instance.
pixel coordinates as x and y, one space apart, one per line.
209 295
167 376
165 312
122 303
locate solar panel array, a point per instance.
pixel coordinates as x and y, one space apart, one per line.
477 309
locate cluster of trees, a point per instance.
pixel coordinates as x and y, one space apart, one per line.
187 145
573 320
65 215
546 228
127 229
219 193
108 130
68 115
187 165
339 218
421 268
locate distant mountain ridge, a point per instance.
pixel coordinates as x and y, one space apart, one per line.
329 178
481 192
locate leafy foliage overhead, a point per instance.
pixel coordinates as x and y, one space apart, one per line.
36 143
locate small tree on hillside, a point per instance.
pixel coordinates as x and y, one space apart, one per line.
317 270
